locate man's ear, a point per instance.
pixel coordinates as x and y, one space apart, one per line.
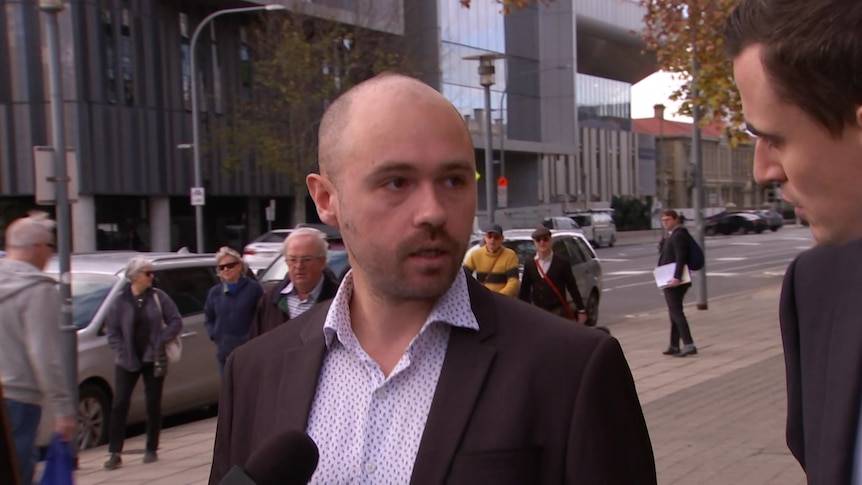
323 193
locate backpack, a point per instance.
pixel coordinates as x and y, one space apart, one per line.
696 259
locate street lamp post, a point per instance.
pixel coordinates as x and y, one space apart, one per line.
486 79
198 188
69 347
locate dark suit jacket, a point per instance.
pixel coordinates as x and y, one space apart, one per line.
674 249
529 398
821 328
534 288
269 315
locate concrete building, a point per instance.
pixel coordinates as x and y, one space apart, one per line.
562 125
127 89
728 176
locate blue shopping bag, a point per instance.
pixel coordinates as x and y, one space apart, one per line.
59 463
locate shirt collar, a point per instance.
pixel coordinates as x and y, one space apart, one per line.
315 292
547 260
453 308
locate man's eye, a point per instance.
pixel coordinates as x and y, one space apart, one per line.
455 181
396 183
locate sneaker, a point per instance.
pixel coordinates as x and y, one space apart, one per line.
150 457
689 349
114 462
672 350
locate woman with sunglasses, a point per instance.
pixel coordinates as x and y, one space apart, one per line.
139 322
230 305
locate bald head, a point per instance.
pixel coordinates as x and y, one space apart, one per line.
30 239
364 102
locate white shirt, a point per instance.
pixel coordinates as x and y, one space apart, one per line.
368 426
545 262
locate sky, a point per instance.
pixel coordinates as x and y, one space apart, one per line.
652 90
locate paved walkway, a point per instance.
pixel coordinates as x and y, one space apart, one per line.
714 418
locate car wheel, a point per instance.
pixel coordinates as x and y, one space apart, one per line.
742 230
710 231
612 241
593 309
94 409
773 229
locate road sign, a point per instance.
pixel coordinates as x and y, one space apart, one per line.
43 168
198 196
269 211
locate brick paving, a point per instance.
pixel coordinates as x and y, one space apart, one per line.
714 418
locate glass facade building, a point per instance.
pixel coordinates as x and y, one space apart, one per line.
604 103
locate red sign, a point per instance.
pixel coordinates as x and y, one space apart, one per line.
502 182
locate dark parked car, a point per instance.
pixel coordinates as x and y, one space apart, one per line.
734 223
774 219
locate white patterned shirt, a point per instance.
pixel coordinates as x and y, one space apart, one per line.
368 426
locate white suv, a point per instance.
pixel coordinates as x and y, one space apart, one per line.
597 226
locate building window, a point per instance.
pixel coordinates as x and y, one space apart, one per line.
217 94
126 55
244 62
109 53
185 60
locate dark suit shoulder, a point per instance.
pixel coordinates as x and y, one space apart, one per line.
290 334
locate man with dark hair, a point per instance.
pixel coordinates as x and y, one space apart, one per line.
546 279
415 372
493 264
798 67
674 249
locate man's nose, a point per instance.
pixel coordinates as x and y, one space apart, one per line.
767 164
429 206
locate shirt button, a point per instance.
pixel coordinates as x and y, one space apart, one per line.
370 467
380 393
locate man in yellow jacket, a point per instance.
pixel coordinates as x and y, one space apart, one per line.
494 266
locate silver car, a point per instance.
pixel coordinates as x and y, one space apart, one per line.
97 280
572 246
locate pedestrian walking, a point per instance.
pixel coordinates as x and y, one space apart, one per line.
30 367
546 279
231 304
674 249
493 264
140 321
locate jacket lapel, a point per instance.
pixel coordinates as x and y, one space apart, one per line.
300 369
468 361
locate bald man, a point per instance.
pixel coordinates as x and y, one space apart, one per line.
415 373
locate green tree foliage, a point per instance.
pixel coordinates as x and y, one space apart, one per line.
631 213
299 64
683 31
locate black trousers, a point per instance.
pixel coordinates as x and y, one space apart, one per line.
124 384
678 322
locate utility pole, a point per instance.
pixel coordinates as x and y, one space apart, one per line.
697 193
69 347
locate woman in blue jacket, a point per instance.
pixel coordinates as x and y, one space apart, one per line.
230 305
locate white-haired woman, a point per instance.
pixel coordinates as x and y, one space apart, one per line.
137 334
230 305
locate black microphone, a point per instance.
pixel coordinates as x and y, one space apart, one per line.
287 458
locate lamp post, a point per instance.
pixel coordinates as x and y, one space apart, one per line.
486 79
198 188
69 346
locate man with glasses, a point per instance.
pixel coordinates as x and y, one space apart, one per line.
494 266
674 249
546 279
307 282
30 364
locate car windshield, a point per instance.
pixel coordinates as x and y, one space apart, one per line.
88 292
336 260
525 249
273 237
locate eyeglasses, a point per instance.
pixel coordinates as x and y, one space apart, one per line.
541 239
148 274
493 235
225 266
297 260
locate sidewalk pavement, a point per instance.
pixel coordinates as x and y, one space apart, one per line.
714 418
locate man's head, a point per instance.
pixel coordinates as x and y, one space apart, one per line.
798 67
305 254
669 218
542 238
493 238
397 178
31 239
